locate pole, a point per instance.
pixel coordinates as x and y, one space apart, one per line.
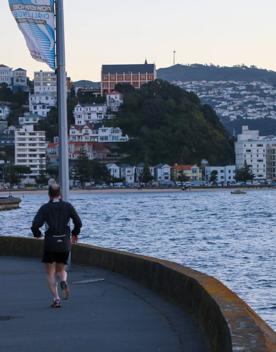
62 102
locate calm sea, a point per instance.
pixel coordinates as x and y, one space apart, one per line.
232 237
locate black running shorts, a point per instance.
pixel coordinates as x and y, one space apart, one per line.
55 257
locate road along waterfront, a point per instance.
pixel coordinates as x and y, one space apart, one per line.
228 236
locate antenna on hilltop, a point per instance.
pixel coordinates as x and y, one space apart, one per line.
174 52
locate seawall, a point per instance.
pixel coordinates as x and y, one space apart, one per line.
229 324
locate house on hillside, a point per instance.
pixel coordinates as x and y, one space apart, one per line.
114 170
128 173
4 112
192 172
162 173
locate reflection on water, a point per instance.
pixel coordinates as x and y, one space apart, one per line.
231 237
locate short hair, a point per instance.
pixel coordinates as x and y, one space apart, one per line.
54 190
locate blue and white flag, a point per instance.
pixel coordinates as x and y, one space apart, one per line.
36 20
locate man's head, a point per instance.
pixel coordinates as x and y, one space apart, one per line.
54 191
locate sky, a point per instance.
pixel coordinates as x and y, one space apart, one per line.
221 32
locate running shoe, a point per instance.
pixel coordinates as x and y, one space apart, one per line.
64 290
56 303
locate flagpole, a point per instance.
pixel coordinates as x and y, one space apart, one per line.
62 101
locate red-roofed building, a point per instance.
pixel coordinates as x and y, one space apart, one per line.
192 172
93 151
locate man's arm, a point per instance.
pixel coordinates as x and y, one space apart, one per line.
76 221
38 221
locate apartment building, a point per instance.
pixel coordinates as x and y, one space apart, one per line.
136 75
30 150
251 150
45 82
225 174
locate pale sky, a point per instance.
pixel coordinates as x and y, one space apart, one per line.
221 32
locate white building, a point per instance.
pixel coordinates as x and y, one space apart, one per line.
250 149
88 133
6 75
45 83
162 173
128 173
20 81
111 135
30 150
271 161
94 113
28 119
114 170
114 100
4 112
225 174
41 104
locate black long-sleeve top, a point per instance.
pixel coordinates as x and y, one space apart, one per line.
56 216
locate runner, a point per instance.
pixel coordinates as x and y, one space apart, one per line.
56 216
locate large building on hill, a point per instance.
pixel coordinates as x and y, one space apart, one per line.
30 150
6 75
136 75
45 82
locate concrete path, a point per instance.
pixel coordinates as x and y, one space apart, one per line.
116 315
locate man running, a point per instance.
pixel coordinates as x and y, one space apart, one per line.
56 216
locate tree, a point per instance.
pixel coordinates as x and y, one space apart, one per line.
14 173
244 174
83 172
183 178
99 172
214 177
42 179
146 176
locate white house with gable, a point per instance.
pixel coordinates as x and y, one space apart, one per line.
94 113
128 173
4 112
114 170
162 173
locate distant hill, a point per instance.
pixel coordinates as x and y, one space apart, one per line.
166 124
197 72
86 84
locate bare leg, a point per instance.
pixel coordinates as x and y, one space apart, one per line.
62 275
51 279
61 272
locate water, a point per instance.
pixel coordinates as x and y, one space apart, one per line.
231 237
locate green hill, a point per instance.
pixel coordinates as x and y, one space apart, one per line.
167 125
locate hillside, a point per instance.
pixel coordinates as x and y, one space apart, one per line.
169 125
197 72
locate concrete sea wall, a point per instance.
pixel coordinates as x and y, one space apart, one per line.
229 324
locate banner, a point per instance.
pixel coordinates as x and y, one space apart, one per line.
36 20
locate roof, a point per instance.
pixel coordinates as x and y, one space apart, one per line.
184 167
20 69
4 66
135 68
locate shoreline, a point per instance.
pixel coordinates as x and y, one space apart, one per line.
6 193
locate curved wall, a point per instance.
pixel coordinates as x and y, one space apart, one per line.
228 322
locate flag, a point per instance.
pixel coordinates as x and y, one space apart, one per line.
36 20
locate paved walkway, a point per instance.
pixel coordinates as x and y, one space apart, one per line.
115 315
